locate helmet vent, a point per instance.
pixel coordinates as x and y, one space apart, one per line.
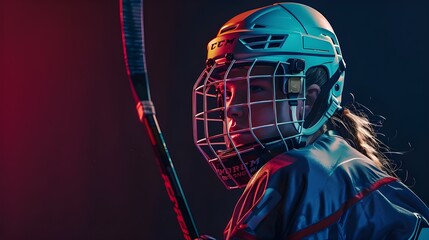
228 28
264 41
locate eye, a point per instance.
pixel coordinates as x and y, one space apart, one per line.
260 89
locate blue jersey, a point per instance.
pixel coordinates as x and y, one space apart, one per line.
327 190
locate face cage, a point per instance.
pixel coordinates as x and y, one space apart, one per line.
212 137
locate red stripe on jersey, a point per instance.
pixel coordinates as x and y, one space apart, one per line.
336 215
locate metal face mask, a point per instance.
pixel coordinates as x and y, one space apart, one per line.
245 113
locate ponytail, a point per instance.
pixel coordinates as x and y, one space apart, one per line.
359 132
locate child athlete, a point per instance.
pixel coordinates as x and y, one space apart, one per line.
268 117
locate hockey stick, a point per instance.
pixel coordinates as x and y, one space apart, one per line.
131 12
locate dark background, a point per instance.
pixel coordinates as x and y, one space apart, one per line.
75 163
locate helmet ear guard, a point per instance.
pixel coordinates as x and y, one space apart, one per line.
323 109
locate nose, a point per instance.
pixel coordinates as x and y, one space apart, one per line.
237 107
235 111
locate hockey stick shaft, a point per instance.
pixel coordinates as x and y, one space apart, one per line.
134 52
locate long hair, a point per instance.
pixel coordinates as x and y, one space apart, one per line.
354 126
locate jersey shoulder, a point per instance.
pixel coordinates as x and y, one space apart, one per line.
330 160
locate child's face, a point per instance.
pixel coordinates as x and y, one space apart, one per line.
255 108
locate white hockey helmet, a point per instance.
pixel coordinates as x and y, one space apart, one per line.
290 38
